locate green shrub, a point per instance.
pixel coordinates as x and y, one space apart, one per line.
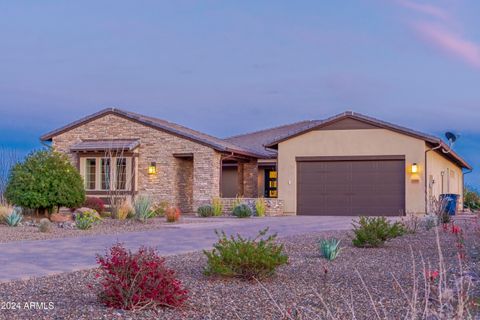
160 208
471 199
260 207
329 249
242 211
84 222
86 219
373 232
245 258
205 211
217 206
45 180
44 225
142 207
14 218
238 201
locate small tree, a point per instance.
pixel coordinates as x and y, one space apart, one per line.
45 180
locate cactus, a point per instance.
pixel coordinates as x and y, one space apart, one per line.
330 248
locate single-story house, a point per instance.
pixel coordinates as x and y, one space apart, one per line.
350 164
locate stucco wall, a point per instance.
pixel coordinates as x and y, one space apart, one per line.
155 146
361 142
452 178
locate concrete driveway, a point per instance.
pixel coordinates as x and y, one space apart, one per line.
27 259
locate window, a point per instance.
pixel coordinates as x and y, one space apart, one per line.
107 173
90 174
121 174
270 183
105 169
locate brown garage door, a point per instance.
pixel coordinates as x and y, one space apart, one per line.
373 186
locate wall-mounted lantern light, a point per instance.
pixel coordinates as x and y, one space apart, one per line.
152 168
414 168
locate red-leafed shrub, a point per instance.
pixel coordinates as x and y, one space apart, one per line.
95 204
137 280
172 214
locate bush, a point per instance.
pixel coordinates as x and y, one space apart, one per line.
142 207
45 180
445 218
14 218
373 232
205 211
242 211
330 249
137 280
86 219
95 204
44 225
471 199
245 258
260 207
5 210
124 210
217 206
159 209
172 214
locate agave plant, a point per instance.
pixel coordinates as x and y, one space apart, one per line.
142 207
14 218
330 248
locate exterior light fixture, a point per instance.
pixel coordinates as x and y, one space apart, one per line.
414 168
152 168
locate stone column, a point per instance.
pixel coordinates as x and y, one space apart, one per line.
206 177
250 179
240 170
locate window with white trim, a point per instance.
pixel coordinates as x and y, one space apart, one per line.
103 173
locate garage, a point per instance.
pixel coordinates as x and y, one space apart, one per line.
351 186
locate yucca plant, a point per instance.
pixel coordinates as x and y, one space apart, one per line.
330 248
14 218
217 206
260 207
142 207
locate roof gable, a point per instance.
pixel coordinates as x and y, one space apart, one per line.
352 120
158 124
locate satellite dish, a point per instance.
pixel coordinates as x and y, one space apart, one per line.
451 137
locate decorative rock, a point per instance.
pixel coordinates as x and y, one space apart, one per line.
60 217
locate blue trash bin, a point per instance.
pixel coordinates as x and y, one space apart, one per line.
451 200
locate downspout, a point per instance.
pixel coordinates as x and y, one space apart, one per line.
426 175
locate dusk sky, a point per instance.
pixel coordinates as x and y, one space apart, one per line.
228 67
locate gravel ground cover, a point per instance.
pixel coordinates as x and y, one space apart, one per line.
317 288
107 226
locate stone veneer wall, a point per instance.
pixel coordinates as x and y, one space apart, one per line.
155 146
250 179
274 205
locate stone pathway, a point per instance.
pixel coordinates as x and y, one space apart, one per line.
27 259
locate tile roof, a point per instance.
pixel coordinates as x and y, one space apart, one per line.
258 139
102 145
446 151
258 144
159 124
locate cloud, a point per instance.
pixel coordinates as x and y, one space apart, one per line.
450 42
427 9
436 27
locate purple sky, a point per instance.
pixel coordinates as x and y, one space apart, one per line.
226 67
